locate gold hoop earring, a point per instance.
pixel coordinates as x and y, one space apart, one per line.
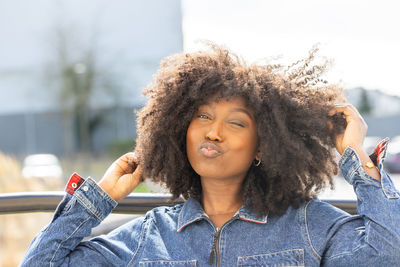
257 163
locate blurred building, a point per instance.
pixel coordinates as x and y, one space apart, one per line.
383 112
381 104
127 39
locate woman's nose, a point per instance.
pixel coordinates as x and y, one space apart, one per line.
214 133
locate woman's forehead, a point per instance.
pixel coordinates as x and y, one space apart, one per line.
237 103
233 99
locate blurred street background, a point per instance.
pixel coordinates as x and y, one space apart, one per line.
72 73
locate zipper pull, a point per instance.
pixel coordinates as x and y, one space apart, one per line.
211 259
216 235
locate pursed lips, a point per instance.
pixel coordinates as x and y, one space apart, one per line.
210 150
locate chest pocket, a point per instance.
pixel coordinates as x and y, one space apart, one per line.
293 257
165 263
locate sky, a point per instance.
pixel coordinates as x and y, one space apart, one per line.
362 37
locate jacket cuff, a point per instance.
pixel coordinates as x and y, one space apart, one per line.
91 196
353 172
350 165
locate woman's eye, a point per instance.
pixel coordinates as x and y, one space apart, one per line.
237 124
203 116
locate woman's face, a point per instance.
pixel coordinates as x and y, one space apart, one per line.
222 140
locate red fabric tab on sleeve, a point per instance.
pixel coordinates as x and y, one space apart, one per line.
74 183
379 152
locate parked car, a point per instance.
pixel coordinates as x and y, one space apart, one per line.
42 166
392 161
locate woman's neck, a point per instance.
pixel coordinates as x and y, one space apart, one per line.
221 199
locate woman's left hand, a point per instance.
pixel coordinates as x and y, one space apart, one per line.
355 131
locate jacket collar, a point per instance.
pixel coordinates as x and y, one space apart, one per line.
192 211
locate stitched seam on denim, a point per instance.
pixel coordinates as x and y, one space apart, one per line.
338 255
362 173
367 230
88 205
190 222
62 242
307 232
276 265
353 170
273 253
145 227
45 229
344 156
346 253
241 258
366 177
67 208
180 218
356 249
388 187
167 261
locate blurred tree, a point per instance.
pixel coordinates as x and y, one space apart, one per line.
364 106
79 77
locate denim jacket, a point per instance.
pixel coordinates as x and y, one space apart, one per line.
315 234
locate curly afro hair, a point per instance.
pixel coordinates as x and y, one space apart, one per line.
290 104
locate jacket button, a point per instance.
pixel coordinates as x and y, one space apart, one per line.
74 185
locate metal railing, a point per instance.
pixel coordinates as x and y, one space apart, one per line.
134 203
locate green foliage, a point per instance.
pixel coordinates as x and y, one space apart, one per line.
119 147
364 106
141 188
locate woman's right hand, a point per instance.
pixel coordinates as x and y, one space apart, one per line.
122 177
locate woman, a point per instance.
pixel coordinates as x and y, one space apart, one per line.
248 147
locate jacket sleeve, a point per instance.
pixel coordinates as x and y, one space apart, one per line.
371 238
59 244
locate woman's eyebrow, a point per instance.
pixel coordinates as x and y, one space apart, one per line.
245 111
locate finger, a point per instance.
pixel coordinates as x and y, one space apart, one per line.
127 162
136 176
129 157
346 110
337 109
355 113
139 173
355 110
344 107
